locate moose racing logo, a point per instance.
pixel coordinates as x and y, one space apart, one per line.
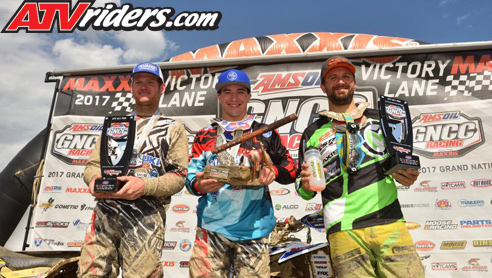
40 17
446 134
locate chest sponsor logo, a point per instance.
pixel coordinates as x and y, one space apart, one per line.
446 134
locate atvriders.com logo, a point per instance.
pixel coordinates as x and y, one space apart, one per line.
41 16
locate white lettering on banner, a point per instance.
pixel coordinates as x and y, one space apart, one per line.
193 99
403 70
180 83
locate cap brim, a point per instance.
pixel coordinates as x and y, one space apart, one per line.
349 67
219 87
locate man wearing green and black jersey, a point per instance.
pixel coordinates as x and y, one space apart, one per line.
364 222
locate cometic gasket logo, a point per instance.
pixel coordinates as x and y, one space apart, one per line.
40 17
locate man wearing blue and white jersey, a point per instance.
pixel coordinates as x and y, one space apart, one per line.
234 221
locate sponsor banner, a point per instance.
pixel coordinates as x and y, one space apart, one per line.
444 266
425 245
482 243
440 225
453 245
443 207
447 134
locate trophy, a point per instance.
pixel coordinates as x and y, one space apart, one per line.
242 175
396 125
116 149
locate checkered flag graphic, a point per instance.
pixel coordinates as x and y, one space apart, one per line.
123 102
467 84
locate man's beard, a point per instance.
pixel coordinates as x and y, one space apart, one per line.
341 99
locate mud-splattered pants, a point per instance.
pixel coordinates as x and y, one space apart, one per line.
126 234
216 256
379 251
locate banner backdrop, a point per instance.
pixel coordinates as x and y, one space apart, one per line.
448 209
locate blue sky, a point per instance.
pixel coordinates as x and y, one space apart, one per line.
25 58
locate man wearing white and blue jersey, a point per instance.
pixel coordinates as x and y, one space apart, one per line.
234 221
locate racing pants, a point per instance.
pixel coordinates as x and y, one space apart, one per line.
379 251
216 256
126 234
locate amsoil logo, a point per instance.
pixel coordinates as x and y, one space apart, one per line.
444 266
181 208
279 192
272 82
453 245
425 245
453 185
425 187
75 143
440 225
41 17
481 183
446 134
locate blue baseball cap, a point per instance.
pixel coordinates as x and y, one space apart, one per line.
148 68
233 77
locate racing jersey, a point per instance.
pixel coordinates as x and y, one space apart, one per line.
162 160
358 199
237 212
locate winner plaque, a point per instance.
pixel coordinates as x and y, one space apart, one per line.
116 149
396 124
